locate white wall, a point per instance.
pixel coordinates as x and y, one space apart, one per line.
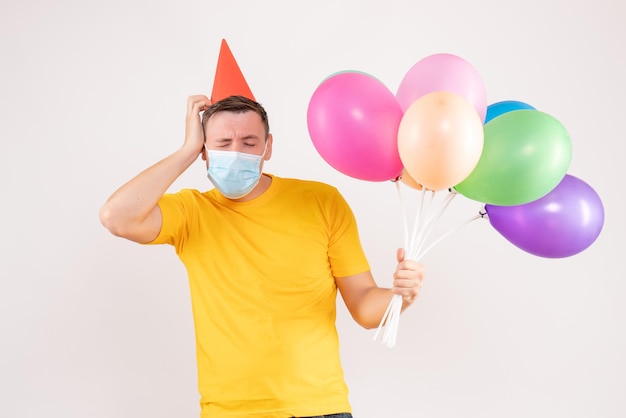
93 92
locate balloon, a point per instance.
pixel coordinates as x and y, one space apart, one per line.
443 72
440 140
526 154
353 122
560 224
499 108
406 178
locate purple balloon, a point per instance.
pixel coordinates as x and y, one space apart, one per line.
562 223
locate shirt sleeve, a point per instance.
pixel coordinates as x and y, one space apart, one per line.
345 251
173 220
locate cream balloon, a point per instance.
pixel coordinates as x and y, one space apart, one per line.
406 178
440 140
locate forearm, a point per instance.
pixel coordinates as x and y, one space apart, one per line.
134 201
373 305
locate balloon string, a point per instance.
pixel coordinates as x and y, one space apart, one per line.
430 224
450 232
425 220
382 321
416 224
421 224
391 317
391 320
403 213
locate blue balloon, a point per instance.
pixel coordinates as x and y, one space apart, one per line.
497 109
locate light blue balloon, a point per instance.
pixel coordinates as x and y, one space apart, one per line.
497 109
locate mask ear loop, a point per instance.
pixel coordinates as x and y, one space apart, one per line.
262 159
265 149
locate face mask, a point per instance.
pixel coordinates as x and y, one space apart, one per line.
233 173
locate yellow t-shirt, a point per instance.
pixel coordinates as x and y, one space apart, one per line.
263 295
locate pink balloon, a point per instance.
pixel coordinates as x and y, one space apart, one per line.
353 121
443 72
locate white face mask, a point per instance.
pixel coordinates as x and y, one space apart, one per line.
234 173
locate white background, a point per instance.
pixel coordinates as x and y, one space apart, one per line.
93 92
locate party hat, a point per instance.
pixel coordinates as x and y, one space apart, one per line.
229 80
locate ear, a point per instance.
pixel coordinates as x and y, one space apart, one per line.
203 153
268 151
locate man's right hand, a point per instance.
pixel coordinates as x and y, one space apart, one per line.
194 134
132 211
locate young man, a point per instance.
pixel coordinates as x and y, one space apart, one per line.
265 256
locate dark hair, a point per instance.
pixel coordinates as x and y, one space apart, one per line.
236 104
